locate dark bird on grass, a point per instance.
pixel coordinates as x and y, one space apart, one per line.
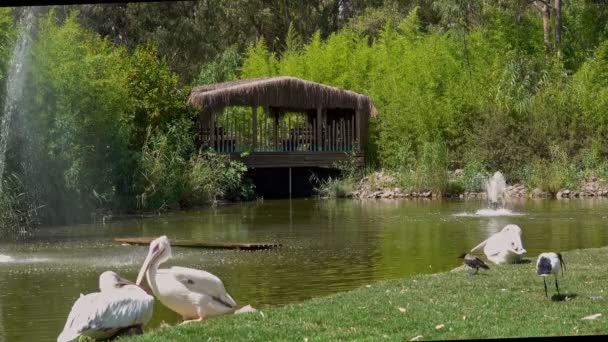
550 263
473 262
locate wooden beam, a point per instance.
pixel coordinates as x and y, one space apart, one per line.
319 128
212 115
275 114
359 129
254 111
296 159
201 244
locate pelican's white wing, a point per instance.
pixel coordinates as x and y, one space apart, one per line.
101 314
203 282
481 245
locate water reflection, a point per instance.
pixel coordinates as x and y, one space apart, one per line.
328 246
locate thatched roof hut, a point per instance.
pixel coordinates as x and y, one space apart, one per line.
328 121
286 92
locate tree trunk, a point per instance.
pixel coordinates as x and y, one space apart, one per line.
558 27
547 29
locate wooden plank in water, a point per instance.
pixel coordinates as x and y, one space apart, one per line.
201 244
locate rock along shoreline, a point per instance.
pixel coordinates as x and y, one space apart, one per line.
377 186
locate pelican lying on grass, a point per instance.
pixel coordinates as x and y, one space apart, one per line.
120 306
504 246
550 263
193 294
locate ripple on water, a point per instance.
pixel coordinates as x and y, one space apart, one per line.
490 213
5 258
8 259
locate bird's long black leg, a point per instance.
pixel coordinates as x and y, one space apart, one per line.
557 287
476 270
545 282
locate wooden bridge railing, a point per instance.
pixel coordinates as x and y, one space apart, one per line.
286 135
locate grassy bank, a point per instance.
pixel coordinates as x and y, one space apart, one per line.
506 301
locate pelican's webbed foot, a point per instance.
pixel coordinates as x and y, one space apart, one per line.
200 319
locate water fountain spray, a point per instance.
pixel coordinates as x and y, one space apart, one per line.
496 187
15 82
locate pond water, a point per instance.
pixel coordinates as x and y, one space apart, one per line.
328 246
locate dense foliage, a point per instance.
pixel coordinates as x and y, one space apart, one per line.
102 128
477 83
472 84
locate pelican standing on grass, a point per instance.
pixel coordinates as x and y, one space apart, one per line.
550 263
193 294
119 307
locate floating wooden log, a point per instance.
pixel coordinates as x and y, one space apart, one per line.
201 244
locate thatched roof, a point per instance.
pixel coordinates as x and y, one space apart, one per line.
282 91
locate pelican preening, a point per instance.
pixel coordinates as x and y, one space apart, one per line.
193 294
504 246
119 305
550 263
474 262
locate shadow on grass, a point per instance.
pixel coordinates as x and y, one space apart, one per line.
563 297
524 261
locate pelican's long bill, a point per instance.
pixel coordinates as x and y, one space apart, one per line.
152 255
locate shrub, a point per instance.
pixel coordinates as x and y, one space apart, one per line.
551 174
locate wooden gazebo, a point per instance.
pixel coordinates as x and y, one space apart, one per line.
286 122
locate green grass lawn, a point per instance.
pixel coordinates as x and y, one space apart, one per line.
506 301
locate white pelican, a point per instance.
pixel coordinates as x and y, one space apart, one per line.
503 247
550 263
193 294
119 306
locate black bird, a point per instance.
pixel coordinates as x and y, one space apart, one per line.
474 262
550 263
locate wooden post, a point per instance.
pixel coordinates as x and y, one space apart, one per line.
314 135
319 128
254 111
358 128
212 115
276 130
352 133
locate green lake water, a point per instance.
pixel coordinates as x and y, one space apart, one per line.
328 246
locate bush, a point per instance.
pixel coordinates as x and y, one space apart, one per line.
551 174
174 175
16 213
347 182
474 173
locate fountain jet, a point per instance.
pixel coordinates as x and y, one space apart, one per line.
496 187
15 83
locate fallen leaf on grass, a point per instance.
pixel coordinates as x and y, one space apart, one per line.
439 326
262 314
592 317
464 318
305 339
402 309
368 286
416 338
